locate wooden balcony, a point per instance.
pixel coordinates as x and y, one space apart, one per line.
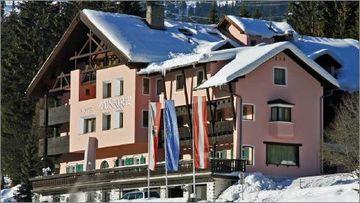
55 145
221 128
124 176
56 115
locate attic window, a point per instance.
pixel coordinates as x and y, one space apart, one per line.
186 31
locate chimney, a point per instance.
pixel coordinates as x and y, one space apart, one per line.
155 14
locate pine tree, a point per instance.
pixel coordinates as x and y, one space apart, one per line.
213 16
244 12
29 168
257 14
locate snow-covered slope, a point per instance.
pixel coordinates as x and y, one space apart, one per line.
326 188
7 195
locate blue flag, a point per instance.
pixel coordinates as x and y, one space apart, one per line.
172 136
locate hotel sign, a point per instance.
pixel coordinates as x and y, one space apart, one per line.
115 103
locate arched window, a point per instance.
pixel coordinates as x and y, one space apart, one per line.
104 164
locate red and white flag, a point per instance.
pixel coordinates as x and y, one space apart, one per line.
153 132
200 132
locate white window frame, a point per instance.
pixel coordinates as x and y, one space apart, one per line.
291 106
181 89
203 73
286 76
157 79
82 124
142 118
248 145
143 87
254 112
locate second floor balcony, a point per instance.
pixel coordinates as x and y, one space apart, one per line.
56 115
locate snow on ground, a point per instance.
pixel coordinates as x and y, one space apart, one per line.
7 195
326 188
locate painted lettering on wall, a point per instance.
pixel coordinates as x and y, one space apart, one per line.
115 103
87 110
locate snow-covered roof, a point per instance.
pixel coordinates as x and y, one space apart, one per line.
344 51
263 28
183 60
249 58
132 36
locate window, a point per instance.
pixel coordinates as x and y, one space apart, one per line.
87 92
129 161
119 87
104 164
89 125
282 154
106 89
279 76
279 113
221 154
200 77
145 118
248 155
179 82
106 121
74 168
119 119
146 86
142 160
248 112
159 86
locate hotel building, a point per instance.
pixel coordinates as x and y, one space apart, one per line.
264 97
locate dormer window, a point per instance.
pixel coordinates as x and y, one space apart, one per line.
280 110
186 31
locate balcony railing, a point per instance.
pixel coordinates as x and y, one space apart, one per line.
56 115
221 128
55 145
218 166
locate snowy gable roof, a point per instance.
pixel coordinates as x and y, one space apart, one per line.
263 28
249 58
133 37
344 51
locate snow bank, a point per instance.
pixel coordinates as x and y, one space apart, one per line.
7 195
260 188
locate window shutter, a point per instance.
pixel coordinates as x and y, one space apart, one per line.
81 126
117 119
117 88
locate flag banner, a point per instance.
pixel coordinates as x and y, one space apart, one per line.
201 141
153 132
172 136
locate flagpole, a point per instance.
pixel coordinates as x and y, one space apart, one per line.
149 128
193 153
166 172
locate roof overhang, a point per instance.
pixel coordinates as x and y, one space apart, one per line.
35 89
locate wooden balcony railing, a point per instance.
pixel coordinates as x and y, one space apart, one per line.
221 128
56 115
218 166
55 145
